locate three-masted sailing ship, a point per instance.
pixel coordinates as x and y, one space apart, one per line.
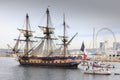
43 54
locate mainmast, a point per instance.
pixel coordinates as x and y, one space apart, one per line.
27 35
47 12
48 31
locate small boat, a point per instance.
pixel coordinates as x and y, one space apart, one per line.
107 65
97 69
103 65
99 72
116 73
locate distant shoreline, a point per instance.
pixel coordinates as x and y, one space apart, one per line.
105 58
5 55
98 58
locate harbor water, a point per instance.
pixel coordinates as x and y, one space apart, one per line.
11 70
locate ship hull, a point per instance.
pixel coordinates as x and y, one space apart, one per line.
49 62
59 65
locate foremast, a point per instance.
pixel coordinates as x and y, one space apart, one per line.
27 34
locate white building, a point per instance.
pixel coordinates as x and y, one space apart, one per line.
102 46
116 45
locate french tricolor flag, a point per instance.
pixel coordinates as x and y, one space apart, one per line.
83 50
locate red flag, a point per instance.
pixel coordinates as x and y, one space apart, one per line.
85 56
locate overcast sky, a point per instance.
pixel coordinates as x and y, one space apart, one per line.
81 16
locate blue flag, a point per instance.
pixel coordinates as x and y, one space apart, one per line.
82 47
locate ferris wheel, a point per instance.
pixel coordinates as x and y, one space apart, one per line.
105 38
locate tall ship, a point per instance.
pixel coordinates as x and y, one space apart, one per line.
45 53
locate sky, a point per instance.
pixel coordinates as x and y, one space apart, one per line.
81 16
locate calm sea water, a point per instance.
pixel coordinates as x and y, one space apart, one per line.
11 70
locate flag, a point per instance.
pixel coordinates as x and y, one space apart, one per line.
82 47
85 56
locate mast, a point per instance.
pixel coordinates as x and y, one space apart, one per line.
64 36
48 31
93 37
47 12
27 36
